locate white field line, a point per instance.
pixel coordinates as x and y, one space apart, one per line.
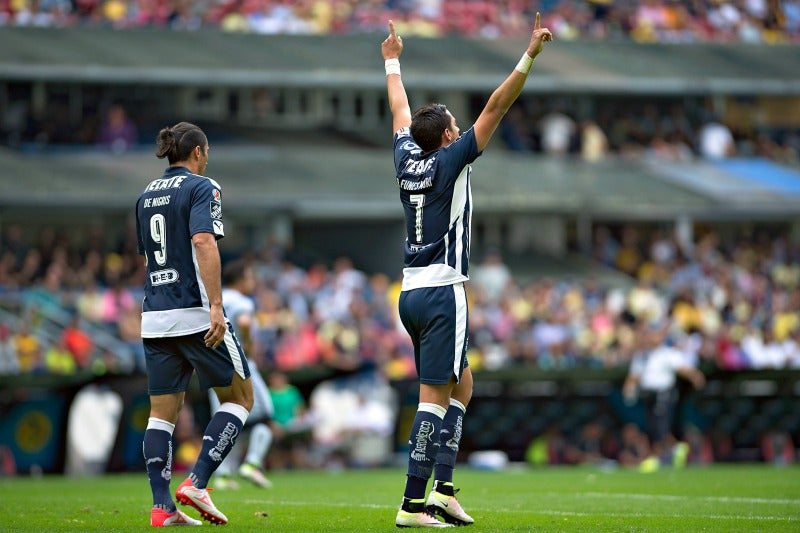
279 503
668 497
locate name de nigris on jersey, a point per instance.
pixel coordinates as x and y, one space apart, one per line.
171 210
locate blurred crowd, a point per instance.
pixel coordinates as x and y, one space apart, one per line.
771 21
658 130
734 304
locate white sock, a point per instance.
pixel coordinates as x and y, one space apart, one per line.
260 441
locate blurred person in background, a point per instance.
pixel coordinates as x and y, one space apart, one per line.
238 283
78 342
59 360
184 328
557 131
594 143
492 275
117 132
432 160
292 423
715 140
9 364
652 378
28 348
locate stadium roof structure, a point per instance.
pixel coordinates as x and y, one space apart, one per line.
331 182
336 181
211 57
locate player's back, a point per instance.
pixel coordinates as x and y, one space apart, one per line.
169 212
437 202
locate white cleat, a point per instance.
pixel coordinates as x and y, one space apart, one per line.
225 483
421 519
448 508
255 475
161 518
188 494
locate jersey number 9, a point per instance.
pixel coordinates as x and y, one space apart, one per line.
158 231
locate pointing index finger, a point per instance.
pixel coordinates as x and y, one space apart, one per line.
537 25
391 29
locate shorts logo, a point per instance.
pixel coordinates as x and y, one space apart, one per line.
219 228
216 194
163 277
216 210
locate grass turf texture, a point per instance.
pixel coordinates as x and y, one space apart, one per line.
720 498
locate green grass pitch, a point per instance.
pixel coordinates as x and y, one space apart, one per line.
720 498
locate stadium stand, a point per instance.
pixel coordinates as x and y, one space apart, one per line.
659 20
635 222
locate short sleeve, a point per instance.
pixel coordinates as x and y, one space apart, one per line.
463 150
404 147
205 215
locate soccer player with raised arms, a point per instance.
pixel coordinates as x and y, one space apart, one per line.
432 161
184 328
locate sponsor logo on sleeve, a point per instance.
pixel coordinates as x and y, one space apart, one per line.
216 210
218 228
216 194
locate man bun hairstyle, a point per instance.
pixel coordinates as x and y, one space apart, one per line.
427 125
176 143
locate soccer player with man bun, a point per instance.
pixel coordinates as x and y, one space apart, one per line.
432 161
184 328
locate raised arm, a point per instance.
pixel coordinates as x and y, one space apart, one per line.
391 49
510 89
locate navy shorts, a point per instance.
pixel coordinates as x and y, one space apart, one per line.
436 318
171 361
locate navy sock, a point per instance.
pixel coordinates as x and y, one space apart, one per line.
423 446
157 451
414 485
221 433
450 441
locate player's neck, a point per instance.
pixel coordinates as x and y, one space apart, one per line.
191 166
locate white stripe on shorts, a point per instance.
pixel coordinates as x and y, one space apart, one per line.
233 350
461 328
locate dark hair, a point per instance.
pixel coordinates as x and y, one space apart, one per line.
177 142
427 124
233 272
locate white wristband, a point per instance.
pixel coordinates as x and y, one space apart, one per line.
392 66
525 64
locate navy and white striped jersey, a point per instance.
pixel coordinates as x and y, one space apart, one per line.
437 201
169 212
